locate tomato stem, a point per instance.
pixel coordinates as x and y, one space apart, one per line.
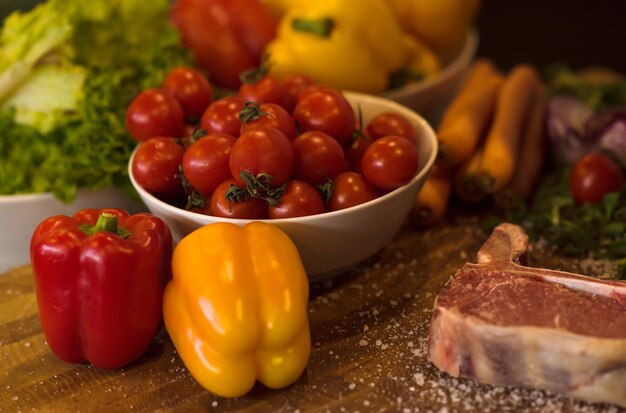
326 190
259 187
251 111
195 200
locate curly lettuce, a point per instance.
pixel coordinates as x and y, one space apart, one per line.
68 70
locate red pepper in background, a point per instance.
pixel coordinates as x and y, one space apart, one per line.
99 279
226 37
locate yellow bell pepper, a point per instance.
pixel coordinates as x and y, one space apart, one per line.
441 24
347 44
236 308
422 63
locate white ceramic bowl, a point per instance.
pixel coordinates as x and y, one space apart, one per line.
332 242
430 97
20 215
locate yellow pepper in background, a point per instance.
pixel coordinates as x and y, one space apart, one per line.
422 63
441 24
347 44
236 308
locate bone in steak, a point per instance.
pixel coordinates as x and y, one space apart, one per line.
503 323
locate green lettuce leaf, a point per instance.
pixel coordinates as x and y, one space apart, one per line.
112 49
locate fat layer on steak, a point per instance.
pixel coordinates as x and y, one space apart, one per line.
504 323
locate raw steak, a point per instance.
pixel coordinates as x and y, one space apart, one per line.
507 324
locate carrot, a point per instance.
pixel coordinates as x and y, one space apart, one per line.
466 120
465 182
531 156
432 200
480 70
502 142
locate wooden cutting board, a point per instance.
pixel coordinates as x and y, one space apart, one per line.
369 328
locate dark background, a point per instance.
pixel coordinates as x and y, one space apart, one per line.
577 32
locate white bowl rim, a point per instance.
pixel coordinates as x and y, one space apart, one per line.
457 64
430 135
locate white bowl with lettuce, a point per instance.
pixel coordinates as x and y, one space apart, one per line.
68 70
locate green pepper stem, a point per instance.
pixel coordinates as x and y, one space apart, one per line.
321 27
106 222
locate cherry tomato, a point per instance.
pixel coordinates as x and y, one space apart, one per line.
350 189
223 116
294 84
317 157
326 110
593 176
353 152
191 88
244 208
155 167
205 162
390 162
154 112
314 87
300 199
391 123
267 114
262 150
266 90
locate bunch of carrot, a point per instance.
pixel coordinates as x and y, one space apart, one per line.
491 142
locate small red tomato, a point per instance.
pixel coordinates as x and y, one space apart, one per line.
262 150
326 110
593 176
191 88
254 115
353 152
294 84
299 199
314 87
266 90
390 162
391 123
350 189
223 116
317 157
154 112
205 162
155 167
225 202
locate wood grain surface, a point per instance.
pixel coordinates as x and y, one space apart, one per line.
369 328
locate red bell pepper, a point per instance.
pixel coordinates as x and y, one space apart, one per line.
226 37
99 279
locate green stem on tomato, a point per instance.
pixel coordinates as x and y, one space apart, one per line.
259 187
251 111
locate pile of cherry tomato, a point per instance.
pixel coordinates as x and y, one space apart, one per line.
276 149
